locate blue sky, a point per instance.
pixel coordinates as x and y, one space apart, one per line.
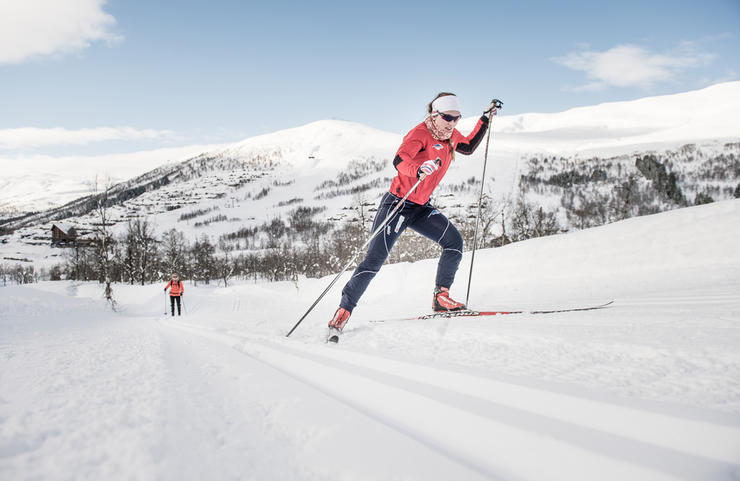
93 77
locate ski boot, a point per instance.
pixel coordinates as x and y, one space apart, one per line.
442 301
336 324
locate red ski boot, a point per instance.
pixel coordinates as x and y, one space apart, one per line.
443 302
337 323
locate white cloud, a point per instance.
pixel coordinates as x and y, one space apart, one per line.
32 137
33 28
632 65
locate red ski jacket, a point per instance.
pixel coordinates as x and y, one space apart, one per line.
419 146
176 288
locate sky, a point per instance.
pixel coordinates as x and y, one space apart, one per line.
94 77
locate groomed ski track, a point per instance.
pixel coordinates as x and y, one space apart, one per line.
646 390
472 426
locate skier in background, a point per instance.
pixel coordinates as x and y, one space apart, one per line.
176 291
428 150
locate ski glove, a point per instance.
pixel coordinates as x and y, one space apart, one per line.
427 168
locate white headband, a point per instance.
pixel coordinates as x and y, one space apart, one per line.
443 104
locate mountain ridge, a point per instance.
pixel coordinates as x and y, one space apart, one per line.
612 127
339 168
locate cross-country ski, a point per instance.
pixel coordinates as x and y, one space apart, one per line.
474 313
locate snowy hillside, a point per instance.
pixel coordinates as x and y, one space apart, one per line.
612 128
647 389
622 127
34 183
578 165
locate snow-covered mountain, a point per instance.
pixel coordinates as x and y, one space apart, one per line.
651 123
31 183
654 122
336 166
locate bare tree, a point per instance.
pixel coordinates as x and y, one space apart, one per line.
224 266
78 265
489 212
103 237
140 251
530 221
203 253
360 205
175 255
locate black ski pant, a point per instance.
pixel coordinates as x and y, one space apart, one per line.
172 304
424 219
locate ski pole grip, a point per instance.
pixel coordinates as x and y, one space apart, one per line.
493 107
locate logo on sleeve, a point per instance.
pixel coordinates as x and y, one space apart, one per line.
437 146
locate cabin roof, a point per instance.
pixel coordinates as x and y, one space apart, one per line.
65 227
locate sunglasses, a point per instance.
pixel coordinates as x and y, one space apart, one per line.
448 117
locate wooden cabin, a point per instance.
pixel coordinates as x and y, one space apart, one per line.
63 234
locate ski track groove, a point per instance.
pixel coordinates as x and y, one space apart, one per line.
494 419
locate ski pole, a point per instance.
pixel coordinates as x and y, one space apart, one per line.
497 104
165 302
372 236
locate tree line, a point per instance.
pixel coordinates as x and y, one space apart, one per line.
303 244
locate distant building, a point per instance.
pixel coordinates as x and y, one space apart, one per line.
63 234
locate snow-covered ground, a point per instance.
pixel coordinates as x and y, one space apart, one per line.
647 389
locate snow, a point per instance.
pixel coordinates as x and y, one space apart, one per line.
320 145
294 163
622 127
652 123
34 182
647 389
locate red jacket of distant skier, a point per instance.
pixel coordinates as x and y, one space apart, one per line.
419 146
176 288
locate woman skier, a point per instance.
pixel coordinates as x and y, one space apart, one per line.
425 153
176 291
